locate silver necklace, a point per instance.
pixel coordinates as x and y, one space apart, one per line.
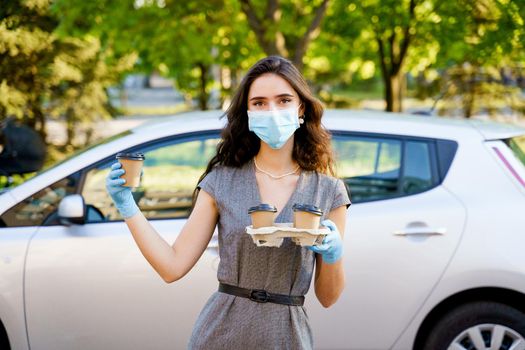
274 176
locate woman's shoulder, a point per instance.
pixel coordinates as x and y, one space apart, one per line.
218 180
338 190
325 180
223 171
330 189
220 167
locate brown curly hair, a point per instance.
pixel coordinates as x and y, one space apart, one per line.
312 148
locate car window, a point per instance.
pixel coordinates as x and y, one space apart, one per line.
35 209
370 167
517 146
375 168
171 172
417 174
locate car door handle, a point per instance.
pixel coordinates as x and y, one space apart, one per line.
420 231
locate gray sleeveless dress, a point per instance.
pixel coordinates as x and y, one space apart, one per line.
230 322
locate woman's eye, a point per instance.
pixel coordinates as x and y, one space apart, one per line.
257 104
286 100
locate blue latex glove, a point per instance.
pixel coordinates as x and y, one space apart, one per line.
121 195
331 248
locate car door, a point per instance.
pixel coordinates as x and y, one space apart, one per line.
18 224
401 231
89 287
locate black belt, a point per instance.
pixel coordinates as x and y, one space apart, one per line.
261 296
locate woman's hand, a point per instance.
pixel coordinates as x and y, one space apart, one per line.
331 248
121 195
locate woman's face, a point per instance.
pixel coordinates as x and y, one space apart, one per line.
270 91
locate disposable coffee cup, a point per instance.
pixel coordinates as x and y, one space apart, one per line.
263 215
132 164
306 216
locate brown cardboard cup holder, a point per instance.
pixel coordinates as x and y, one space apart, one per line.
304 231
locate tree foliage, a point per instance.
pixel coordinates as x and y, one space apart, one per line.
58 57
46 74
392 38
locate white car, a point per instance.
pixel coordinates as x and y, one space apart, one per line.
434 241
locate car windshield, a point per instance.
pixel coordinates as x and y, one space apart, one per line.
517 145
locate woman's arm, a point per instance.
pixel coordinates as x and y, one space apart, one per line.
330 278
173 262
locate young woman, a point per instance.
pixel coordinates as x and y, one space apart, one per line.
273 150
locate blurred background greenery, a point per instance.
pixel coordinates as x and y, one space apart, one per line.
67 61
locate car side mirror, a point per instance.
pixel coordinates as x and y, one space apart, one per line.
72 210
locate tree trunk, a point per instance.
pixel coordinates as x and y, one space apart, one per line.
469 96
272 41
89 136
70 127
203 95
42 120
311 33
223 89
28 119
38 122
393 96
235 77
392 51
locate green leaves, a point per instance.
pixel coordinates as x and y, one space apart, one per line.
45 73
53 52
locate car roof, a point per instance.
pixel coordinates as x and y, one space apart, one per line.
350 120
491 130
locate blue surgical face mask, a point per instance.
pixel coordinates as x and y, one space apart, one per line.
275 126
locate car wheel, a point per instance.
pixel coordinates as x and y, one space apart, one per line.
478 326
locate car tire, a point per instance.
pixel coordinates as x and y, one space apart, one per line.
476 325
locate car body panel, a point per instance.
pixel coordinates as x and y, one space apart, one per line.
99 276
403 280
92 284
491 251
13 248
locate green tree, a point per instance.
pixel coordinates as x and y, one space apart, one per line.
389 29
286 28
45 73
27 50
415 35
81 72
191 41
481 42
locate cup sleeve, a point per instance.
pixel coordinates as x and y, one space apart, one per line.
341 195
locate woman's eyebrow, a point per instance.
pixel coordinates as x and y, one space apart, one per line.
280 95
